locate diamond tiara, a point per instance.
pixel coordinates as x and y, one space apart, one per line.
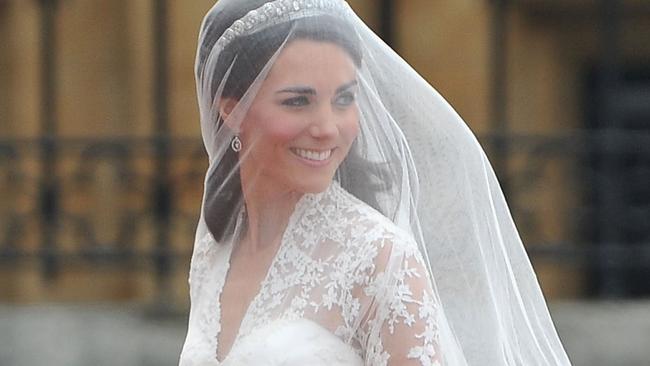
277 12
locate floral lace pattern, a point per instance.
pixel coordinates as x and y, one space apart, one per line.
341 265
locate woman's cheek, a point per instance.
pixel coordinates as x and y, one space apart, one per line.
352 126
287 128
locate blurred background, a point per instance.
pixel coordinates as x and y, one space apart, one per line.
101 163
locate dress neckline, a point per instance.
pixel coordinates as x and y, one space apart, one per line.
305 201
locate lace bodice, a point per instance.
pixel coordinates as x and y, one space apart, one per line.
342 268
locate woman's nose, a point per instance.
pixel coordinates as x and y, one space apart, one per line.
324 124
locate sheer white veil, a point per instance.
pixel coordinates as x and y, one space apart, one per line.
414 160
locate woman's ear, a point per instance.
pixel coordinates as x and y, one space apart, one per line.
226 106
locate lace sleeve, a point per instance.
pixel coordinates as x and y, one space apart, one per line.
402 327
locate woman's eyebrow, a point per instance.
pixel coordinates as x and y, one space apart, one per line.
346 86
311 91
298 90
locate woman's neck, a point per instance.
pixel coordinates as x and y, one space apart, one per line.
268 210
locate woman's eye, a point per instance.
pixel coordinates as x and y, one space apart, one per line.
296 101
345 99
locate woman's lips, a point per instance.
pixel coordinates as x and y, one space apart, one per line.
314 157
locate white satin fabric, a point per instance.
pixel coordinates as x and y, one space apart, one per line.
292 342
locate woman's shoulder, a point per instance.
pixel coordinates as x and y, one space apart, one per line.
382 255
365 225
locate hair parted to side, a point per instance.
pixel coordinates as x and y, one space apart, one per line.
243 59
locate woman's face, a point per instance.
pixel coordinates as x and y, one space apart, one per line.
303 120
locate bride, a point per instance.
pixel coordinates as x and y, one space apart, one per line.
349 215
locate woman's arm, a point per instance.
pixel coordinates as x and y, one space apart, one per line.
402 328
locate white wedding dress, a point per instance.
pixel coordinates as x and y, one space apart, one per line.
292 342
347 287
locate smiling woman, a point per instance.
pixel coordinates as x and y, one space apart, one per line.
295 134
310 249
302 122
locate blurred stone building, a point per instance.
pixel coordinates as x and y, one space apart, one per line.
101 164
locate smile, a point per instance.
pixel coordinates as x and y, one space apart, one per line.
313 155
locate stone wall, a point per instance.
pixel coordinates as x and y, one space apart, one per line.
104 83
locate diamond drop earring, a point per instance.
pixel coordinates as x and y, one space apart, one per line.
235 144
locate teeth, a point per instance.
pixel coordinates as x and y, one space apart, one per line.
313 155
